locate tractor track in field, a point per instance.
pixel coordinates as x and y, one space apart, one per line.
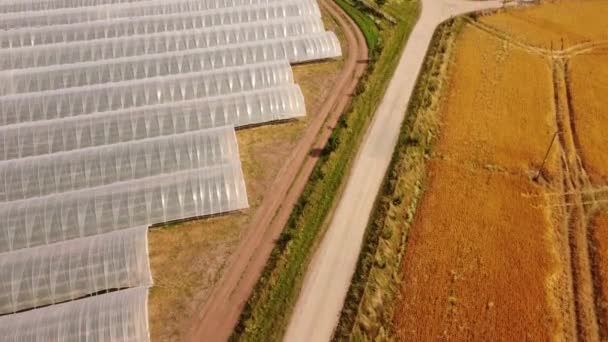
216 319
578 200
576 49
578 209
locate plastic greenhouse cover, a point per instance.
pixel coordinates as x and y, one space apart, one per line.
96 166
165 198
65 6
8 6
83 51
127 10
64 271
145 92
249 108
116 316
295 49
106 29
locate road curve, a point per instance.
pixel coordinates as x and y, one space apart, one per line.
329 274
218 316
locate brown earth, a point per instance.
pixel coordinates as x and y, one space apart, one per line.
189 259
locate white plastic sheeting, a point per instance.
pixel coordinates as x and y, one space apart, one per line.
147 26
248 108
295 49
193 193
17 13
137 93
116 316
96 166
111 115
69 270
113 28
98 49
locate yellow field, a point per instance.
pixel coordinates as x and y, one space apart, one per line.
188 259
574 21
589 81
495 253
473 268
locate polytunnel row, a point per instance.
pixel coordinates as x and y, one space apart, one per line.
116 316
137 45
113 96
73 269
243 109
116 115
129 8
126 10
296 49
114 28
97 166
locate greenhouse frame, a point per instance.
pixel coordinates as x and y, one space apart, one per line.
117 116
116 316
65 271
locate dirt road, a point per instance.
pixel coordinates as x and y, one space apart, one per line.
328 278
219 315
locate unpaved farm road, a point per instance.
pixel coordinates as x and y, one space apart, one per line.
219 315
329 274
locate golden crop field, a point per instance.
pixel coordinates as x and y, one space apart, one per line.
494 252
574 21
589 82
600 239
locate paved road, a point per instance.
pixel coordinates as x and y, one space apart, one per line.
329 274
218 316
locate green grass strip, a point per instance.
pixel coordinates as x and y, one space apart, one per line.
268 310
365 22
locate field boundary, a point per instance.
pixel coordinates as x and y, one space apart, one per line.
367 311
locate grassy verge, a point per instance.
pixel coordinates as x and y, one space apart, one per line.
368 309
366 24
267 311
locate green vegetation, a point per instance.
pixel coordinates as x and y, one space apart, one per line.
368 310
365 22
267 311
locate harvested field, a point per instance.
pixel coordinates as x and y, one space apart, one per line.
188 259
495 253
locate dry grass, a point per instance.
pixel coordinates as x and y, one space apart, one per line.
576 21
588 75
188 259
